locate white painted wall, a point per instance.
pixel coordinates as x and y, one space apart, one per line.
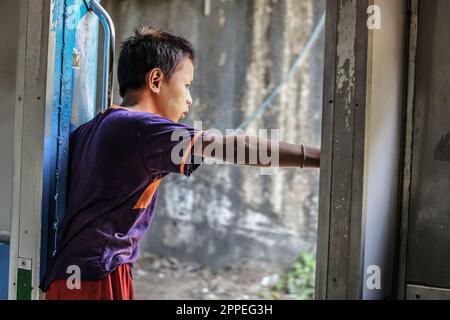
382 150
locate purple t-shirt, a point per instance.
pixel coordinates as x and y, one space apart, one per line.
116 162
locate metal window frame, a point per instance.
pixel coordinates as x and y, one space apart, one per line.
407 148
344 261
109 50
340 245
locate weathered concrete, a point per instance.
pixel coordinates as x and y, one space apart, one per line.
228 214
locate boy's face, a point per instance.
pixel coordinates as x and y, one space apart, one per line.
175 97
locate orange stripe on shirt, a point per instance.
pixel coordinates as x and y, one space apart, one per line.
147 195
188 150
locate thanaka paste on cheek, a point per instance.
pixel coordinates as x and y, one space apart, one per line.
177 106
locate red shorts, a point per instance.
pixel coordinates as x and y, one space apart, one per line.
118 285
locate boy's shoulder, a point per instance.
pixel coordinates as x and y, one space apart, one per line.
119 121
122 115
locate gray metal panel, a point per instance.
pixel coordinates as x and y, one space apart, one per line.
359 161
340 209
340 212
323 227
414 292
429 221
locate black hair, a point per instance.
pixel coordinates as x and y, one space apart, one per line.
147 49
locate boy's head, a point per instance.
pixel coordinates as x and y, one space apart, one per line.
156 63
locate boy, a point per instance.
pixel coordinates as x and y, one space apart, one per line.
117 160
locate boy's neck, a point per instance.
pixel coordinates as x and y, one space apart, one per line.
138 104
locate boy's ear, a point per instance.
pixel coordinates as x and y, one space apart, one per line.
154 79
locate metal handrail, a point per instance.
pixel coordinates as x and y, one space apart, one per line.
109 49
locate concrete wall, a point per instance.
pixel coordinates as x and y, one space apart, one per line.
228 214
8 59
382 145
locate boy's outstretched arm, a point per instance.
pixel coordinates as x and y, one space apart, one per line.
248 150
